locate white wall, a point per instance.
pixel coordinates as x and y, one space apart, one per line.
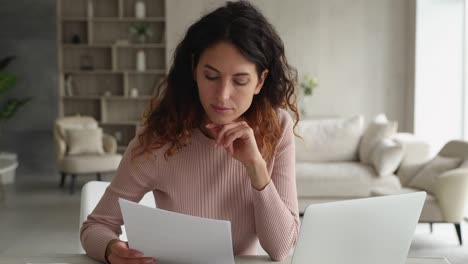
439 71
358 49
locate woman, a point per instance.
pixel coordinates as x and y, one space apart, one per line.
217 144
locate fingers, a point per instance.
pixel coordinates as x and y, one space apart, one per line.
113 259
233 134
225 128
121 249
120 253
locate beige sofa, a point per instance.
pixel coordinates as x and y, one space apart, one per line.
339 158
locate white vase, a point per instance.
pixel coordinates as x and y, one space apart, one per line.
134 92
69 86
306 105
140 9
141 60
90 8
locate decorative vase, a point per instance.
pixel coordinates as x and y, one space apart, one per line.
68 85
90 8
306 104
141 60
140 9
134 92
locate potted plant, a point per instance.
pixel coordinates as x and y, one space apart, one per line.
308 86
8 108
142 31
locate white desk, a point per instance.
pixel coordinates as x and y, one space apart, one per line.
83 259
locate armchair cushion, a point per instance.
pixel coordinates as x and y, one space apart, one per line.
387 156
428 175
74 122
84 141
77 164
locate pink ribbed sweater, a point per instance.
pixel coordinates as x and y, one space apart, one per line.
204 180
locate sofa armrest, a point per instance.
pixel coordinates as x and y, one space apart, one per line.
109 143
451 191
416 153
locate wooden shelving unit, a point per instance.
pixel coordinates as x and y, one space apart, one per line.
97 59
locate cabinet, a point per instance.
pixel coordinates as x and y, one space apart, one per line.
97 53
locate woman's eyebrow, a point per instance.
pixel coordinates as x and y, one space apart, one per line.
211 67
214 69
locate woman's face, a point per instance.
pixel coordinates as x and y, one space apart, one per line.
227 83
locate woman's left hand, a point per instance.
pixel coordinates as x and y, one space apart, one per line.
239 140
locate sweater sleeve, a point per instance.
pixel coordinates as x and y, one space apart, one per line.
276 208
134 178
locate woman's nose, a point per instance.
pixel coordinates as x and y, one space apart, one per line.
224 90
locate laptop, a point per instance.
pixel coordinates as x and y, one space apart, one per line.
362 231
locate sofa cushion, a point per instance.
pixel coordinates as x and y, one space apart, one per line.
375 132
339 179
428 175
329 139
387 156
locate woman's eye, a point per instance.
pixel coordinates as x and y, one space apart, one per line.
241 83
211 78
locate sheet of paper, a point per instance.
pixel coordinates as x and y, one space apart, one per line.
176 238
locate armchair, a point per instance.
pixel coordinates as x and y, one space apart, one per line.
447 198
104 159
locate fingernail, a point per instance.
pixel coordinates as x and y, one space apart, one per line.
138 254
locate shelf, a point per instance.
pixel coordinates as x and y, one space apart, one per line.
104 45
74 19
145 72
120 123
112 97
127 98
84 45
97 57
113 19
80 97
108 31
127 19
156 71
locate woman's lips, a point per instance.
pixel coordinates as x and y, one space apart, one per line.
221 110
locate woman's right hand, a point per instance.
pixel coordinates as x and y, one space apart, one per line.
117 252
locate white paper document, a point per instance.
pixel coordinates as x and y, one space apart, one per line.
176 238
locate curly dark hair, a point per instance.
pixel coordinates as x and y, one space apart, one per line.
172 115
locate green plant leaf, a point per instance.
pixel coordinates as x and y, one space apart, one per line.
7 81
6 61
11 107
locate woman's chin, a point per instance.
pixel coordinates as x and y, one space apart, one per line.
221 120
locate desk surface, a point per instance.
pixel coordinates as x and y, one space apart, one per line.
83 259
